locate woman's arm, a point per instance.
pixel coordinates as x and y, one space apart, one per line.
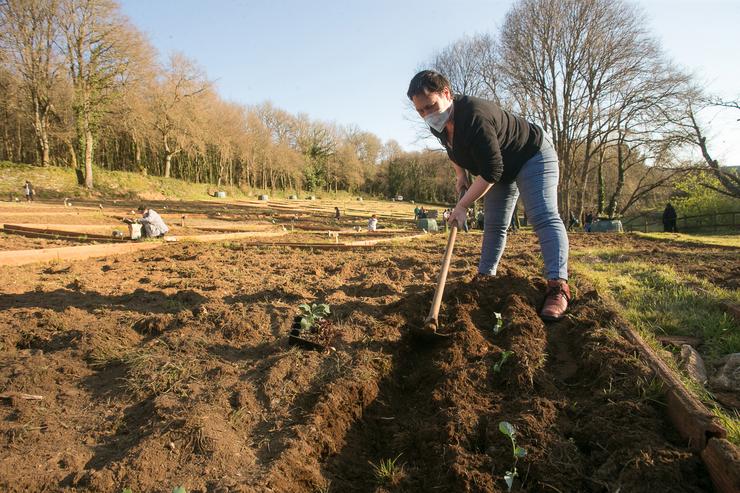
459 172
477 190
462 183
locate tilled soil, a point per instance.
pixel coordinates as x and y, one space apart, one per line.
18 242
172 367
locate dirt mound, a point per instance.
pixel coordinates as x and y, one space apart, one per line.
582 405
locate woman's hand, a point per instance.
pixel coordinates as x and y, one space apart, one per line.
458 216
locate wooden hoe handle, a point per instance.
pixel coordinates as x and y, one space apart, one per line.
434 312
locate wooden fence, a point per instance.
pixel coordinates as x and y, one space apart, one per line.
707 223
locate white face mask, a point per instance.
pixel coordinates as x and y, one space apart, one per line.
438 120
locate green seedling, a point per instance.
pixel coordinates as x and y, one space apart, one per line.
498 326
126 490
310 314
388 471
518 452
504 356
179 489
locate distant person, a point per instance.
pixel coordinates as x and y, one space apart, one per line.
417 213
153 224
514 225
508 155
337 214
588 221
573 222
28 191
422 213
372 223
669 219
480 221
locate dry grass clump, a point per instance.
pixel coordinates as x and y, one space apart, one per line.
151 370
154 373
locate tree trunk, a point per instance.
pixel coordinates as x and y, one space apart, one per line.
40 126
72 154
168 153
612 209
45 151
6 139
88 158
137 159
600 192
167 164
19 143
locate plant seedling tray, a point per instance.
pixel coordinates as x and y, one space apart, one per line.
295 339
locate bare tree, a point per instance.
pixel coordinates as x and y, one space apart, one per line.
469 64
564 62
725 103
100 46
641 130
175 103
729 180
29 35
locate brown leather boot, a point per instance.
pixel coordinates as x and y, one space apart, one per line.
556 300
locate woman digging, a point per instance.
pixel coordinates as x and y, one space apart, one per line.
508 156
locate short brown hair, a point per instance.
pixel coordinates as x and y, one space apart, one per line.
427 81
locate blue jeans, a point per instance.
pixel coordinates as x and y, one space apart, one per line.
538 183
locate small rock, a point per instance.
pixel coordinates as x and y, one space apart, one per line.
171 446
693 364
728 376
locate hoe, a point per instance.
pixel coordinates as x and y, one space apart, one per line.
431 325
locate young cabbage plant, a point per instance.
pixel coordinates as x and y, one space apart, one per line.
504 356
518 452
499 324
310 314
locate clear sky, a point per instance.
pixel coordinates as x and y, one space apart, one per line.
349 61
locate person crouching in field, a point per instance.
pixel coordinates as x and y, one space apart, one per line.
153 224
508 155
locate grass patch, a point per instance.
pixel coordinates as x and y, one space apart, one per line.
658 300
58 182
388 472
731 423
729 240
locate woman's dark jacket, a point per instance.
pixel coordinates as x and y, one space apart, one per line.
489 141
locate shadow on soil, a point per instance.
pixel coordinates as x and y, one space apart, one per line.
140 300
